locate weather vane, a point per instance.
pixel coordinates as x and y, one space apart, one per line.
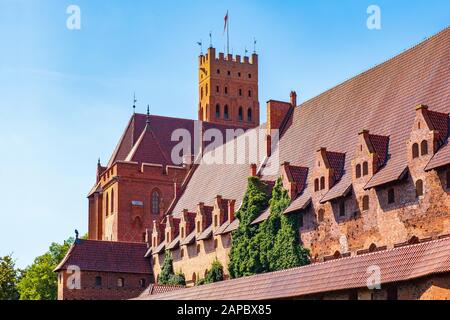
134 102
200 43
254 45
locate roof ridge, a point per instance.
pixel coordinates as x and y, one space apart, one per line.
395 56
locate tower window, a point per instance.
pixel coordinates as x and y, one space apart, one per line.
229 72
419 188
424 147
415 151
239 74
226 113
316 185
218 71
391 196
358 171
216 243
182 253
240 114
240 92
365 168
322 183
98 281
156 200
216 223
217 89
365 203
249 75
249 93
182 232
217 111
226 90
249 115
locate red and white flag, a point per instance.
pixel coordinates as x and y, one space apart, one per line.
226 23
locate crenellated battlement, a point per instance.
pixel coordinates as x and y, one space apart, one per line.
227 59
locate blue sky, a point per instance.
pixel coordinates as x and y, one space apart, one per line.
66 95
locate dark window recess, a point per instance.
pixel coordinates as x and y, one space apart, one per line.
322 183
142 283
424 148
391 196
358 171
419 188
448 179
415 151
342 208
316 185
365 203
392 293
226 113
301 220
353 295
229 73
365 169
98 281
217 111
241 114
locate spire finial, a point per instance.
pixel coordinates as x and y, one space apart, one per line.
99 162
148 114
254 45
134 103
210 40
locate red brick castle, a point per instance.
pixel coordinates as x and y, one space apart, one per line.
366 165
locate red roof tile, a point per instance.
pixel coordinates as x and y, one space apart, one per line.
400 264
440 122
106 256
300 203
380 145
441 158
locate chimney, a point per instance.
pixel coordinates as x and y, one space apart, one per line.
231 207
294 99
253 169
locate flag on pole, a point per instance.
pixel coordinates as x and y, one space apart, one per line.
226 23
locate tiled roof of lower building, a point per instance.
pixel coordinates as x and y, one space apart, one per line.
104 256
441 158
396 265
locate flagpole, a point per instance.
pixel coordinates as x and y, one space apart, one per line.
228 33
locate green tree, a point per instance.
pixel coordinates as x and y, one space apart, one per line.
38 281
244 254
8 279
167 275
278 238
215 274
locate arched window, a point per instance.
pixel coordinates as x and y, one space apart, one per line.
217 89
365 168
249 115
182 253
424 148
240 92
217 111
316 185
226 90
216 221
226 114
320 215
121 282
194 278
216 243
358 171
240 114
366 203
198 249
249 93
419 188
415 151
198 227
391 196
112 201
373 247
98 281
322 183
107 205
156 200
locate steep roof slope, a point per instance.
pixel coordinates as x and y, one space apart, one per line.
382 100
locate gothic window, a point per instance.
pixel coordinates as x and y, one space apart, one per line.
156 200
316 185
215 221
217 111
112 201
98 281
240 114
365 169
419 188
391 196
198 227
216 243
249 93
249 115
107 205
198 249
218 71
366 203
424 148
240 92
358 171
415 151
120 282
217 89
322 183
249 75
226 113
182 232
320 215
226 90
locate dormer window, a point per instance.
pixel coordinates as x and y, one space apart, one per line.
358 171
365 169
322 183
316 185
198 227
321 215
415 151
215 221
419 188
391 196
365 203
342 208
424 148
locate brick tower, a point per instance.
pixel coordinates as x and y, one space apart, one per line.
228 89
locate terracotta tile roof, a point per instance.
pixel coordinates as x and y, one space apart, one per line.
337 162
174 244
439 121
299 175
341 189
106 256
190 239
155 289
222 228
206 234
441 158
380 145
232 226
382 100
160 248
400 264
300 203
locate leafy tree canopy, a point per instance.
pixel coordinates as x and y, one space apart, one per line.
8 279
167 275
